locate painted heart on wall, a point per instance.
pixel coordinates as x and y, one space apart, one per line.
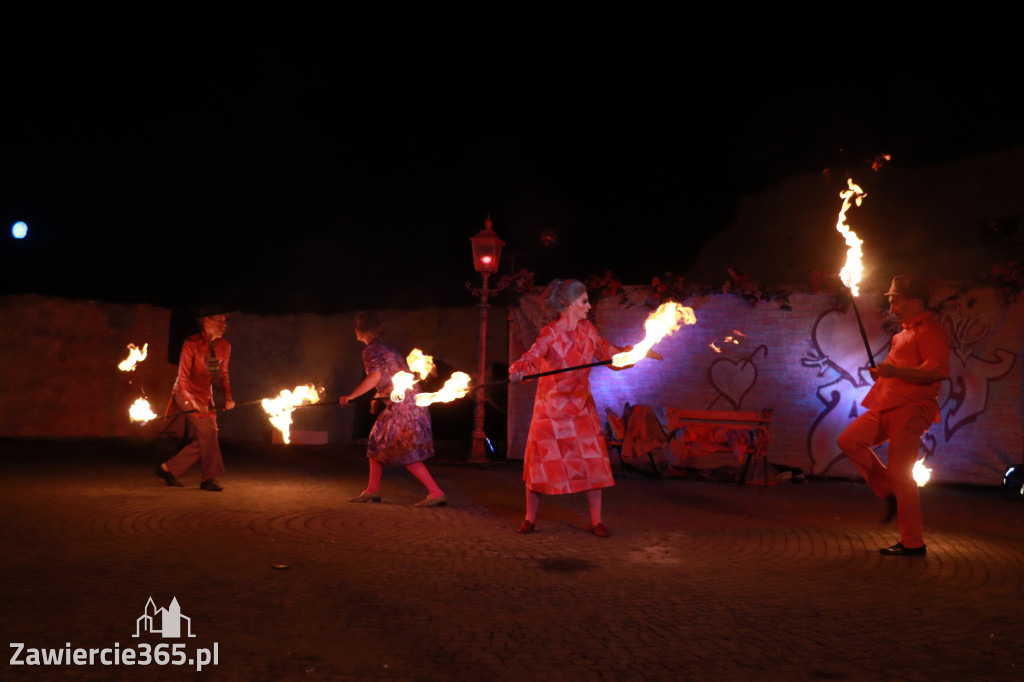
733 379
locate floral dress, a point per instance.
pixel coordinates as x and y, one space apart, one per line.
401 434
565 449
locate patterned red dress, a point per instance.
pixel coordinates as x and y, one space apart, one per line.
565 449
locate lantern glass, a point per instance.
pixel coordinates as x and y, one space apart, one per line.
486 249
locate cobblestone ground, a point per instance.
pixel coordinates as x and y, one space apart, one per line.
288 581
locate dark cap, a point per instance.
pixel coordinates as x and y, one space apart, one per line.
211 309
909 286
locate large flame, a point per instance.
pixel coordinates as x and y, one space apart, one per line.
853 270
659 324
456 387
400 383
280 408
135 356
418 362
140 411
922 474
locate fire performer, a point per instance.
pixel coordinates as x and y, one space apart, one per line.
565 449
402 432
204 360
902 404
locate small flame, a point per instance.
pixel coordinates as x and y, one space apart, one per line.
659 324
140 411
280 408
922 474
456 387
418 362
135 355
853 270
733 339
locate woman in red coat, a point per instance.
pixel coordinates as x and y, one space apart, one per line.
565 449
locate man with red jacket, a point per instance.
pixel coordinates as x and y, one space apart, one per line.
902 405
204 360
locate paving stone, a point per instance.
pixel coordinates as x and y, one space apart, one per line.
699 580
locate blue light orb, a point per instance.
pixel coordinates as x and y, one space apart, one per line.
19 229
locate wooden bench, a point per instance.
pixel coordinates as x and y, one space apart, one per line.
691 433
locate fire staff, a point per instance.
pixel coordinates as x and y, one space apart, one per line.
204 360
565 448
902 404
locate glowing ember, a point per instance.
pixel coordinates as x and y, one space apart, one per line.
734 340
853 270
456 387
135 356
140 411
659 324
922 474
280 408
419 363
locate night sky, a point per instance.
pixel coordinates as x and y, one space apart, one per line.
344 163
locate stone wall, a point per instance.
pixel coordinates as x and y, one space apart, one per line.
808 364
59 357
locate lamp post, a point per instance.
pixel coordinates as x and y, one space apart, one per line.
486 254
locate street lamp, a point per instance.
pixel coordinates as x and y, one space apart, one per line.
486 254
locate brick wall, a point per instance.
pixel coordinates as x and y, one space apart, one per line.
59 357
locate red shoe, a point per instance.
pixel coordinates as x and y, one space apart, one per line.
525 527
600 531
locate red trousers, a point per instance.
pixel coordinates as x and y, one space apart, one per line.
903 428
203 446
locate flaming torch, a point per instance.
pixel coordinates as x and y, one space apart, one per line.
456 387
140 411
922 474
659 324
419 363
853 270
280 408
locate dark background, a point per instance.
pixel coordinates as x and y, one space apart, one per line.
330 161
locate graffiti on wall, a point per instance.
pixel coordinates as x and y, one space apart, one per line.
840 356
733 379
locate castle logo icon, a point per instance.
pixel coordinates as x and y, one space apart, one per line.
167 622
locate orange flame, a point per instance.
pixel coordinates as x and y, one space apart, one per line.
400 383
659 324
853 270
922 474
135 355
418 362
456 387
733 339
140 411
280 408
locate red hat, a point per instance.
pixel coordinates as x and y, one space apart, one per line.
909 286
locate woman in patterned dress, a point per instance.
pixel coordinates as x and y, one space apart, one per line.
565 449
401 434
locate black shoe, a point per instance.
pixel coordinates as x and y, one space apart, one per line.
168 477
890 509
899 550
211 485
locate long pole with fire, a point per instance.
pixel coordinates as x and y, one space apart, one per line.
853 270
851 275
